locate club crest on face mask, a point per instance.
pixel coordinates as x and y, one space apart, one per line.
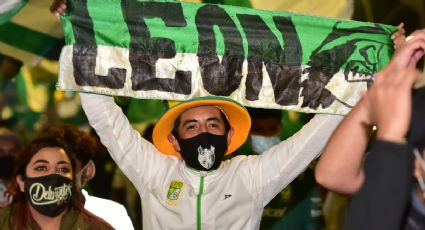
206 157
50 194
204 151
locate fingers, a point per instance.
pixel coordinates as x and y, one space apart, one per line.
410 52
389 102
399 37
400 31
58 7
404 79
415 58
398 41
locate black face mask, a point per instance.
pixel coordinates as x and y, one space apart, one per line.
6 167
204 151
50 194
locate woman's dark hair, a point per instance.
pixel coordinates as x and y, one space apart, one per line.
416 136
82 144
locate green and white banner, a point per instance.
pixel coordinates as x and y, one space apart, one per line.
176 51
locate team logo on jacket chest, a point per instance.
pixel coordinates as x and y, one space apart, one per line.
174 191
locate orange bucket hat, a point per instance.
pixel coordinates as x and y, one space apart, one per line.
236 114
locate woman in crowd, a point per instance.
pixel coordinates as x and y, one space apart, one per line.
45 195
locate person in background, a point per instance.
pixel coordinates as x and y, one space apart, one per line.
336 204
299 205
386 196
9 67
101 185
44 192
9 147
84 147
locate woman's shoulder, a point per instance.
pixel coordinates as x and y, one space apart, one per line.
83 219
5 213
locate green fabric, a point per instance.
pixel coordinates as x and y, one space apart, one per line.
290 125
26 39
110 29
244 3
172 50
144 110
199 204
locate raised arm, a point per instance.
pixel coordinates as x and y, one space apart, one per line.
340 166
133 154
279 165
386 105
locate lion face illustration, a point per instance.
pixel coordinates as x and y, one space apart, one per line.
206 156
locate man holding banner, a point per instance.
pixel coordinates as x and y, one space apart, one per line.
182 181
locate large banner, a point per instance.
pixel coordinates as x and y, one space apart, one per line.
176 51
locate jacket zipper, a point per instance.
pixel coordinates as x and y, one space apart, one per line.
198 203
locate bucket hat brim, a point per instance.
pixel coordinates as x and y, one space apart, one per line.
236 114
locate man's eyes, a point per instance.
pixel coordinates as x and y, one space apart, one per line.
211 125
214 125
190 127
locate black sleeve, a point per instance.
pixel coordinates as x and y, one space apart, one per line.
382 201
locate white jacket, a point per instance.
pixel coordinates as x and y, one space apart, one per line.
176 197
112 212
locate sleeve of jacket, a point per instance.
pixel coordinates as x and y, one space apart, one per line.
279 165
382 200
133 154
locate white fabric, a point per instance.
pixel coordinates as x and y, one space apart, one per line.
346 89
233 196
7 5
112 212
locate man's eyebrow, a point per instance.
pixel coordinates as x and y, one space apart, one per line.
213 119
189 121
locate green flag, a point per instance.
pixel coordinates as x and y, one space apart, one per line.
175 50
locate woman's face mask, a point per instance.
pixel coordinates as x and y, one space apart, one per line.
262 143
50 194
